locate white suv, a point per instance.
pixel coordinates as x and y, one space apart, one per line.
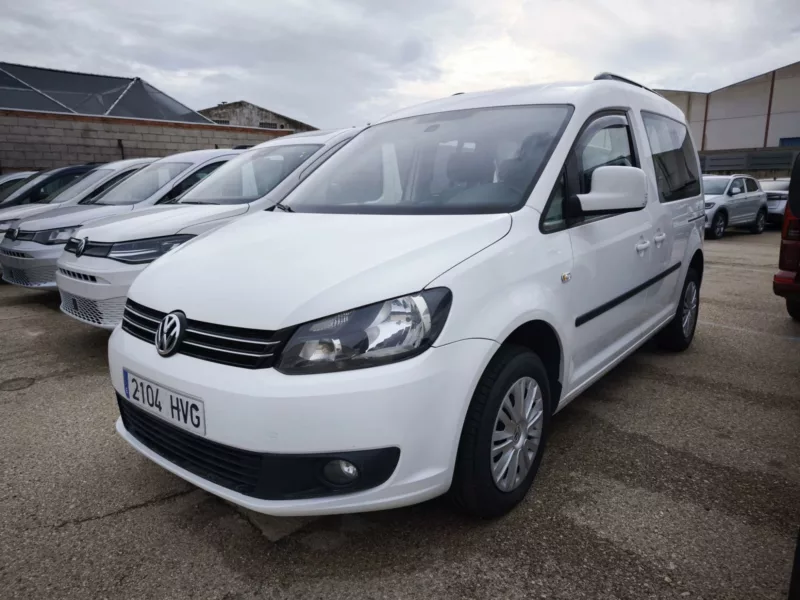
422 305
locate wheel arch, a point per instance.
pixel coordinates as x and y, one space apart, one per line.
698 262
541 337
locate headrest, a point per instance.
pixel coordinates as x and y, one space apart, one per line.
470 168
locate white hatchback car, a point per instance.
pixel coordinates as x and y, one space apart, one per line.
99 264
423 304
31 247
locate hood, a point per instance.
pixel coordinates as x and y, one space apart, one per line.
714 197
273 270
26 211
157 221
72 216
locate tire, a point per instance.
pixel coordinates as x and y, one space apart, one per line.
675 337
793 308
718 225
475 489
760 223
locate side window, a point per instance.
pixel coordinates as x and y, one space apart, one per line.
606 142
738 184
192 179
107 185
554 216
751 185
674 158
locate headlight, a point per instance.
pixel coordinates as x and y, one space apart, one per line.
373 335
145 251
709 205
54 236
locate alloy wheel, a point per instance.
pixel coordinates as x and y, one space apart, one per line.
517 434
719 226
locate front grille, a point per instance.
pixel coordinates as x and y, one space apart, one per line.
76 275
99 249
236 346
13 253
229 467
107 313
259 475
31 277
777 196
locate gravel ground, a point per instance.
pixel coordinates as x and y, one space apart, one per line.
676 476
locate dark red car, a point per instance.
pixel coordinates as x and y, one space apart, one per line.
786 282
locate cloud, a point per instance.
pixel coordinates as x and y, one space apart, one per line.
345 62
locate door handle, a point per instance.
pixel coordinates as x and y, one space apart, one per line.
642 246
659 238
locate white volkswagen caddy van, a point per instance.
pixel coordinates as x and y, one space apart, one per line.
423 303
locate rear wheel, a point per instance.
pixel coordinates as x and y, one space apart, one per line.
504 434
677 336
760 223
718 225
793 308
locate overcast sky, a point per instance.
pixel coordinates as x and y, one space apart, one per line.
345 62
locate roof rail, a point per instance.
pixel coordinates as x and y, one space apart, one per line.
613 77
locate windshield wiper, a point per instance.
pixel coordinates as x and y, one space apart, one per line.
281 207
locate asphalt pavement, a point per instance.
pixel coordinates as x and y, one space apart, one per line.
676 476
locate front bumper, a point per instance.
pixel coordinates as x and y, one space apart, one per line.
29 264
416 406
710 212
93 290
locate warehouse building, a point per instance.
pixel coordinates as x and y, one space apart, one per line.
51 118
245 114
751 126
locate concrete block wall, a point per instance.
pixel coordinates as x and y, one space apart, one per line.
36 141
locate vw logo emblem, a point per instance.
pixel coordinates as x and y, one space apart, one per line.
170 333
81 246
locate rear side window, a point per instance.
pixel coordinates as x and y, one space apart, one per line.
674 158
751 185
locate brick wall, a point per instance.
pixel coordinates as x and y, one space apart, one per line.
36 141
249 115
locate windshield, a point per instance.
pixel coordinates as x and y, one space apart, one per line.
714 186
142 185
467 161
27 184
80 186
11 189
250 176
775 186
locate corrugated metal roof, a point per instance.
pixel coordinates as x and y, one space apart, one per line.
49 90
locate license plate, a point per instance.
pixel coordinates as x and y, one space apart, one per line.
179 409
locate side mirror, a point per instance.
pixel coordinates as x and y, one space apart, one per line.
794 188
734 191
615 190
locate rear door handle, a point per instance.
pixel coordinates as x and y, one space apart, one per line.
642 246
659 238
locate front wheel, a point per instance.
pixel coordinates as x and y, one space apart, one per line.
718 225
677 336
793 308
760 223
504 434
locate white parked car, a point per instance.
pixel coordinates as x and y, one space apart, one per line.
733 200
777 194
100 262
422 305
31 247
82 191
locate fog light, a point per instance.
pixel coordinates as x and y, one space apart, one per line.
340 472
